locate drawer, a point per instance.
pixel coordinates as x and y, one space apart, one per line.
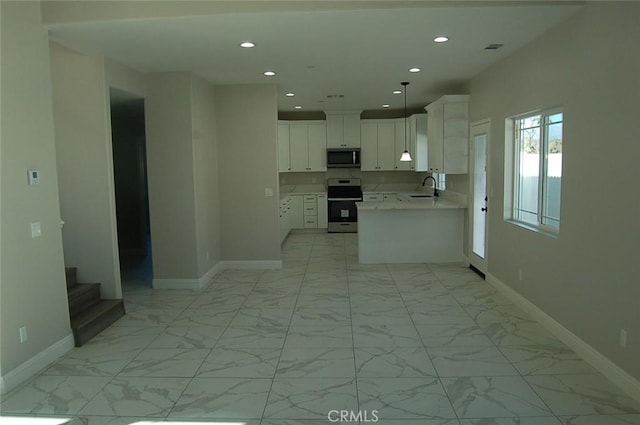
372 198
311 222
309 198
310 209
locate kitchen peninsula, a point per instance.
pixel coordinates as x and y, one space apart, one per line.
411 230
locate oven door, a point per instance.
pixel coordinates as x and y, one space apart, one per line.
343 210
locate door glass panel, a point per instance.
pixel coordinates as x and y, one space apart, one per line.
479 194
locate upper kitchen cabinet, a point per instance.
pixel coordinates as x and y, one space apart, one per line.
416 145
448 134
378 145
343 129
284 163
307 146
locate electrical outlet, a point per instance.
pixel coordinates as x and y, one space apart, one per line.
623 338
268 192
520 274
23 334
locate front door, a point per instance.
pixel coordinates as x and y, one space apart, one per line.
479 195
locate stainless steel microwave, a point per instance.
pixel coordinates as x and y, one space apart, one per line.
343 158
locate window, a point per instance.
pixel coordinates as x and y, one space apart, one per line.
537 169
441 180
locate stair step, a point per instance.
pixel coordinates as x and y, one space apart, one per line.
72 276
82 296
94 320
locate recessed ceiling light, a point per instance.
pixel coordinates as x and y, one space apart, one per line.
298 107
386 105
269 73
397 92
289 94
441 39
247 44
414 69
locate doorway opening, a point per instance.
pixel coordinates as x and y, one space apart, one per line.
132 198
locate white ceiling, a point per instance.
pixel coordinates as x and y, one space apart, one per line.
361 54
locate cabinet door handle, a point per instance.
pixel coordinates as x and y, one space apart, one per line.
484 209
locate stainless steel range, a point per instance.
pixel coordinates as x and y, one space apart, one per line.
342 195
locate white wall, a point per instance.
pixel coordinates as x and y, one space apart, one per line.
33 290
85 168
587 280
248 163
171 176
206 180
125 78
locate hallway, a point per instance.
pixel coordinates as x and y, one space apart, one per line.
408 344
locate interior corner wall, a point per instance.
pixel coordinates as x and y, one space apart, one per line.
125 78
170 171
246 117
206 180
587 279
32 272
85 168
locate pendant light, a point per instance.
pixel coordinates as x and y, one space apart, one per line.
406 156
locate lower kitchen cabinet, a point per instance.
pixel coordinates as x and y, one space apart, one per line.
322 212
308 211
297 217
380 197
285 218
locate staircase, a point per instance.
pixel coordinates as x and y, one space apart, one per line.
89 313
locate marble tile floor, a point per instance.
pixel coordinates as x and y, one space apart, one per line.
412 344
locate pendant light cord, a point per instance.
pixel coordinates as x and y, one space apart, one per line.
405 84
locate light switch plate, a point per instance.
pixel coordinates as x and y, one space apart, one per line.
36 229
34 177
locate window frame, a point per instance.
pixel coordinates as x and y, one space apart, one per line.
512 166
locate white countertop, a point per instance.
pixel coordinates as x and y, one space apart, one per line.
410 204
308 189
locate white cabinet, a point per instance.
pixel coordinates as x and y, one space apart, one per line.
380 197
307 146
323 212
283 147
448 134
419 142
285 218
343 129
308 211
372 197
378 145
400 145
416 144
296 217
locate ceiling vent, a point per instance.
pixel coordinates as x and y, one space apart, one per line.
335 96
495 46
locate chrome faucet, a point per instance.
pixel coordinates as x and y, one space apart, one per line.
435 189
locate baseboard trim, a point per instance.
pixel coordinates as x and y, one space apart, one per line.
206 278
589 354
251 265
35 364
176 283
